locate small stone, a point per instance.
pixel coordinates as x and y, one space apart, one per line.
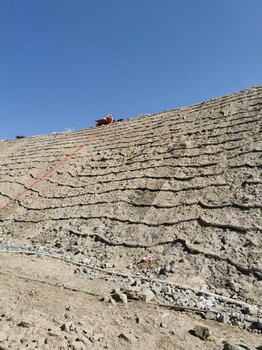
138 319
123 298
129 338
250 310
166 289
136 285
76 345
3 336
190 303
97 336
259 324
156 288
112 301
87 261
72 327
147 295
105 298
202 332
210 315
223 318
65 327
163 324
24 324
200 305
228 345
120 297
108 265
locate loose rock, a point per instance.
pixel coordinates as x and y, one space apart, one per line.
210 315
228 345
223 318
129 338
202 332
147 295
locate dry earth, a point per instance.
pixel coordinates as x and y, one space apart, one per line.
181 188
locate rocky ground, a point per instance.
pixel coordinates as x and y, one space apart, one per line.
148 237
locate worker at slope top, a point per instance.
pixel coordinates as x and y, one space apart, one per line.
105 121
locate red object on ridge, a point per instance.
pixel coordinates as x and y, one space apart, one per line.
105 121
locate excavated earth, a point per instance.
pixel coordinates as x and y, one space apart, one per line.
148 236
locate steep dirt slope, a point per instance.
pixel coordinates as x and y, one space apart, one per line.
182 187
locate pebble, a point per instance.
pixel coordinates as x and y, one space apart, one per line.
228 345
112 301
210 315
119 297
223 318
24 324
147 295
76 345
166 289
259 324
129 338
251 310
123 298
87 261
202 332
156 288
65 327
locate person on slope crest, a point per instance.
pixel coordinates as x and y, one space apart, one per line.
105 121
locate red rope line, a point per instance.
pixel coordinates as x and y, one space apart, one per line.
51 170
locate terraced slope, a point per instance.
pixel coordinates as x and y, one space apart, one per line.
182 186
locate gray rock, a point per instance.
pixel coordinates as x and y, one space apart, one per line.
147 295
251 310
223 318
166 289
108 265
120 297
210 315
137 283
259 324
138 319
76 345
65 327
156 288
105 298
123 298
190 303
24 324
202 332
129 338
228 345
112 301
200 305
87 261
98 336
164 324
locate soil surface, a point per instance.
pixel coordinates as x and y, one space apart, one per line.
147 236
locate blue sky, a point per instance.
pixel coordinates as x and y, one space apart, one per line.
65 63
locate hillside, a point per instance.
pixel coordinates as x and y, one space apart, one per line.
180 188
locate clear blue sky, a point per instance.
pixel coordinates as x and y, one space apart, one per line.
65 63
